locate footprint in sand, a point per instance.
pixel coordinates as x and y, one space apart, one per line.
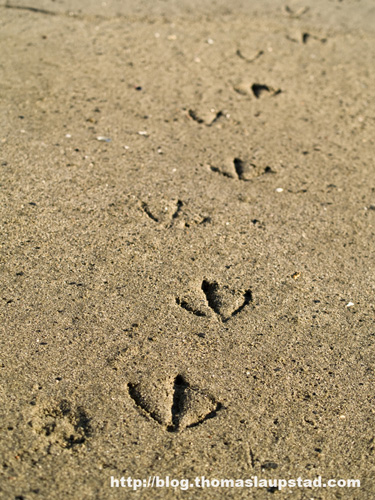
174 404
221 299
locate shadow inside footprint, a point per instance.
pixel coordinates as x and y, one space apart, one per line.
225 302
180 387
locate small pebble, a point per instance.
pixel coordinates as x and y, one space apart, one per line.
349 304
279 190
142 132
103 139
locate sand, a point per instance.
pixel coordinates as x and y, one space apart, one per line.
187 234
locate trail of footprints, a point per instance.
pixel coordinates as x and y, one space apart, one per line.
173 213
174 404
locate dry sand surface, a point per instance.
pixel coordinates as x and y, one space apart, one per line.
187 246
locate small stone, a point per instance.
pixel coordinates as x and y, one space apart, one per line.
269 466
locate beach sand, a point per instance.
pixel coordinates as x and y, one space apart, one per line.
187 246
